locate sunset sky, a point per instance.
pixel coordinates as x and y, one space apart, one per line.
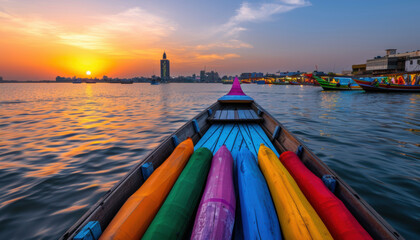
44 38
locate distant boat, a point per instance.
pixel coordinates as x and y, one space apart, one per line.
261 82
154 82
338 83
77 81
227 81
127 81
90 81
373 85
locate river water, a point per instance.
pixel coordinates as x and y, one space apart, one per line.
62 146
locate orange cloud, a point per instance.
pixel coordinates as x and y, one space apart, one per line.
217 56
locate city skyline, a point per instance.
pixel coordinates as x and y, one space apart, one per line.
127 39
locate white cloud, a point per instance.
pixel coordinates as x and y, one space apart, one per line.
258 12
216 56
230 44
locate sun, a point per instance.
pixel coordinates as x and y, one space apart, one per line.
88 73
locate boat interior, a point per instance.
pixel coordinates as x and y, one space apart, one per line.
236 125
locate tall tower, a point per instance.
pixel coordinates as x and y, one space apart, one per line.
164 69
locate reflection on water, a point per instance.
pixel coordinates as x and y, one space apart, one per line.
62 146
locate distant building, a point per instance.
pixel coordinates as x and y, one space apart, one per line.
164 69
252 75
412 64
382 64
62 79
391 63
202 75
1 79
358 69
209 76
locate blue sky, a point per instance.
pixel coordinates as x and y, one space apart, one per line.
128 37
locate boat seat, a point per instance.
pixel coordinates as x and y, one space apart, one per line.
246 115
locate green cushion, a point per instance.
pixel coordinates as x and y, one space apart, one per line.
178 211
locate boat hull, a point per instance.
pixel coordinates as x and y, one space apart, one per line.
382 87
335 88
327 86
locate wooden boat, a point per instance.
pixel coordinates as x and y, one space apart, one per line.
227 81
155 82
235 122
370 85
90 81
339 84
126 81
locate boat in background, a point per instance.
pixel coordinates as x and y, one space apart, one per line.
246 81
126 81
90 81
227 81
379 85
78 80
237 122
154 82
337 83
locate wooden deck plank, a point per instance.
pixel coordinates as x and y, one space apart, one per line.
237 145
247 139
213 128
241 114
253 114
257 139
262 134
223 136
214 138
231 114
230 141
217 114
247 114
223 115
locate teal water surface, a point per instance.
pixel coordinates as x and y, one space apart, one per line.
62 146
